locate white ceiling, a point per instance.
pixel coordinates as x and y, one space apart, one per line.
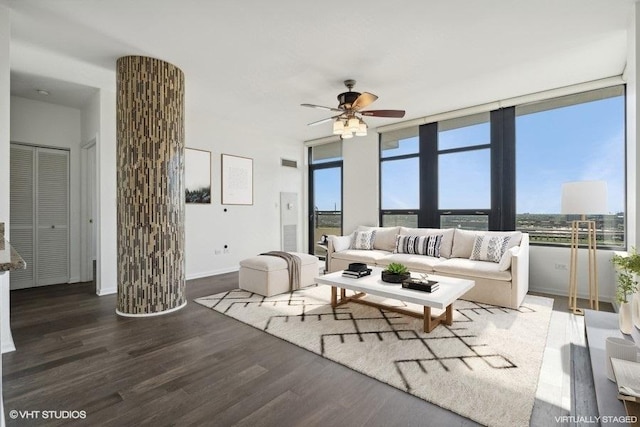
256 61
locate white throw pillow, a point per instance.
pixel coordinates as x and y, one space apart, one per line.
385 237
489 248
340 243
419 245
505 261
363 240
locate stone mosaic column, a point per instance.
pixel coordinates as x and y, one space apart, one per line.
150 138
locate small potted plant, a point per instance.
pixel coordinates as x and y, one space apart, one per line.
395 273
628 269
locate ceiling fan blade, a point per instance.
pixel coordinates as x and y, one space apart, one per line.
323 120
320 107
383 113
363 100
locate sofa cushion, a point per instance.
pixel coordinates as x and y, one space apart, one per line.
447 237
385 237
363 240
418 245
413 262
463 241
358 255
489 248
472 268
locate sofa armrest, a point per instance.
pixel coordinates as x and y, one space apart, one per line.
336 244
520 272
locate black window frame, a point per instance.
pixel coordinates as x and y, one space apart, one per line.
383 212
311 169
502 157
502 214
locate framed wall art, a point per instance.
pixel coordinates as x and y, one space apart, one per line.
237 180
197 176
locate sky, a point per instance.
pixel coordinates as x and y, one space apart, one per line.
575 143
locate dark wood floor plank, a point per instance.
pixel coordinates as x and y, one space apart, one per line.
191 367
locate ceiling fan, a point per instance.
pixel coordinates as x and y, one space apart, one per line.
349 120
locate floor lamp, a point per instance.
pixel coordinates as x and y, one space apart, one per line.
584 198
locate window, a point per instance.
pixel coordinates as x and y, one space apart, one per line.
448 174
399 178
464 172
325 188
572 138
504 169
464 180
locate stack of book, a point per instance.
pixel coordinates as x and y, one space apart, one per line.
356 271
421 285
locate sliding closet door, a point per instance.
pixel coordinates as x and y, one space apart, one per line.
52 238
40 214
22 214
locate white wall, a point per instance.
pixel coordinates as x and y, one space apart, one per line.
98 122
246 230
632 75
360 173
107 203
5 90
549 272
49 125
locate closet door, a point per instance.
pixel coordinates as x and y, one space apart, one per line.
22 214
40 215
52 217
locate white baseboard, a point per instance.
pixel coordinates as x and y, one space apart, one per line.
111 291
7 347
564 293
212 273
108 291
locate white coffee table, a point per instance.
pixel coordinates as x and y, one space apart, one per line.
450 289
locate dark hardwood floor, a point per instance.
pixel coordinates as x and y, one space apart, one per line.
191 367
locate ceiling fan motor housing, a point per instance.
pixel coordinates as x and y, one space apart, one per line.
346 99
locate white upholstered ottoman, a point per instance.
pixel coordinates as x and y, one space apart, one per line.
268 275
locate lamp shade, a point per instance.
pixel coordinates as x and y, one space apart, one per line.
584 198
338 127
362 129
353 124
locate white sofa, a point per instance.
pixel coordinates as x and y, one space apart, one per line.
504 283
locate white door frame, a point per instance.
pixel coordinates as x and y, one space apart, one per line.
90 226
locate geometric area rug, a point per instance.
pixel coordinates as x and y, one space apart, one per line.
484 367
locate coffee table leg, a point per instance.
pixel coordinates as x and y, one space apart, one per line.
334 296
427 319
446 318
449 315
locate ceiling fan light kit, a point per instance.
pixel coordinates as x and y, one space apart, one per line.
349 122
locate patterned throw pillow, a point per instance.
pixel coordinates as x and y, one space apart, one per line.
489 248
419 245
363 240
